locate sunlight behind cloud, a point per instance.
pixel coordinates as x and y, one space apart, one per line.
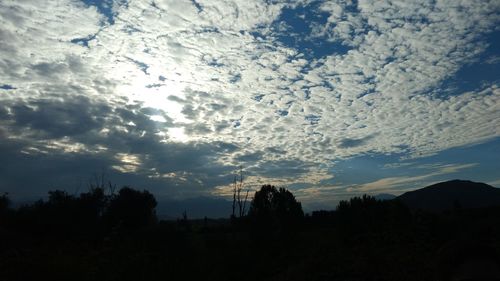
156 96
177 134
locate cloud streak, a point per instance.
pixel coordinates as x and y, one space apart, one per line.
394 184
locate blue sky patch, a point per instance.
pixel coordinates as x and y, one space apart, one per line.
197 5
105 7
142 66
484 71
293 29
7 87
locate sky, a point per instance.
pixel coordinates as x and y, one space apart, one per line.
331 99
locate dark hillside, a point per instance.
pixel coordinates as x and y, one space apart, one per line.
452 194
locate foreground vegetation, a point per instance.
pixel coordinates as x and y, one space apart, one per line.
116 236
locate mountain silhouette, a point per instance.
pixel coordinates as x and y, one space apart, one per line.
452 194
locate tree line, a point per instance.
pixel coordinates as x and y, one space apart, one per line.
94 210
109 234
103 209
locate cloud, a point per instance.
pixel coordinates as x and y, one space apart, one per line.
192 89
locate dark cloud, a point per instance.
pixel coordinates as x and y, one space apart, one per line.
222 125
4 113
30 174
197 129
348 142
176 99
46 69
61 143
190 112
275 150
250 157
59 118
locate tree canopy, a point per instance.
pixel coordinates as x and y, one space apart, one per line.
272 205
131 209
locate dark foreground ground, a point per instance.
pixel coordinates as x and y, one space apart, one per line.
365 244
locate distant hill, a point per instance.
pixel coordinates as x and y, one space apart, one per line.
385 196
447 195
196 208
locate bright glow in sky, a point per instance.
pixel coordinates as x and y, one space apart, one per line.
308 94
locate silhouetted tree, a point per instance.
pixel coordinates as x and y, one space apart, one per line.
272 206
68 212
91 207
238 199
59 213
59 197
131 209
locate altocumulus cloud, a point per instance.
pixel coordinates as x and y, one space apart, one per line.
173 95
